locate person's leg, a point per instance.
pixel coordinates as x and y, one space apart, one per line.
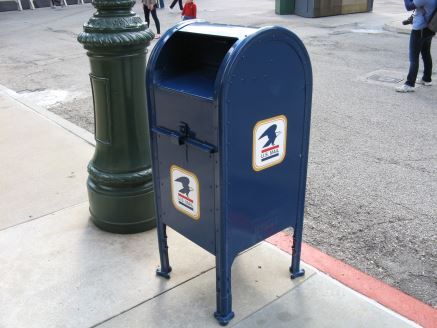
414 52
156 20
147 15
427 59
181 7
174 3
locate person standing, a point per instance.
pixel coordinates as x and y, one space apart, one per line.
149 7
189 11
174 3
420 43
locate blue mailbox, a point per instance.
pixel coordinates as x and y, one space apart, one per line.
229 115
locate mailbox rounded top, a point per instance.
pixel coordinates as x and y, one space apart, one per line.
196 57
232 31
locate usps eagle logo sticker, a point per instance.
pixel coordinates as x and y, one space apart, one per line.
185 191
269 142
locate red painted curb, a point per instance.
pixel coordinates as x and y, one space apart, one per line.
375 289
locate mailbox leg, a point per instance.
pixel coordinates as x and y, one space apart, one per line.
224 312
295 253
165 269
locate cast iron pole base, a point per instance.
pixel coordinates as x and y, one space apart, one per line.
129 212
120 187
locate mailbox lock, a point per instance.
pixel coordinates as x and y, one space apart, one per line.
185 130
185 136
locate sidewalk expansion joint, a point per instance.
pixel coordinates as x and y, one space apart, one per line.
303 279
151 298
42 216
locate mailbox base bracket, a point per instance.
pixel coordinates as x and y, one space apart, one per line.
297 274
164 274
224 319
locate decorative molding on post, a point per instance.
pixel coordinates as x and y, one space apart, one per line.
122 28
120 187
120 179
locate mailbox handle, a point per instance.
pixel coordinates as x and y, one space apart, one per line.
181 139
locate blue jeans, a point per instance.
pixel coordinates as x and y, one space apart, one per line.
420 43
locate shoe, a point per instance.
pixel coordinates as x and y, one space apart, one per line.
405 88
408 21
157 36
422 82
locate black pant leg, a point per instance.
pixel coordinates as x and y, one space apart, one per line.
146 15
427 59
156 20
173 4
414 53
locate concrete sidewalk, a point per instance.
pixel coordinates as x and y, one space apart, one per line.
58 270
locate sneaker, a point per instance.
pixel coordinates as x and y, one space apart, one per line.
422 82
405 88
157 36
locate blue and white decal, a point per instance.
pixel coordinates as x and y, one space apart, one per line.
269 142
185 191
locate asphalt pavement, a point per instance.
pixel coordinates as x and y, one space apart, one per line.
372 186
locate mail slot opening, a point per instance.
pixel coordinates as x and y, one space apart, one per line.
189 63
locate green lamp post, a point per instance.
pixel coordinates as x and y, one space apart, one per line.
120 187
